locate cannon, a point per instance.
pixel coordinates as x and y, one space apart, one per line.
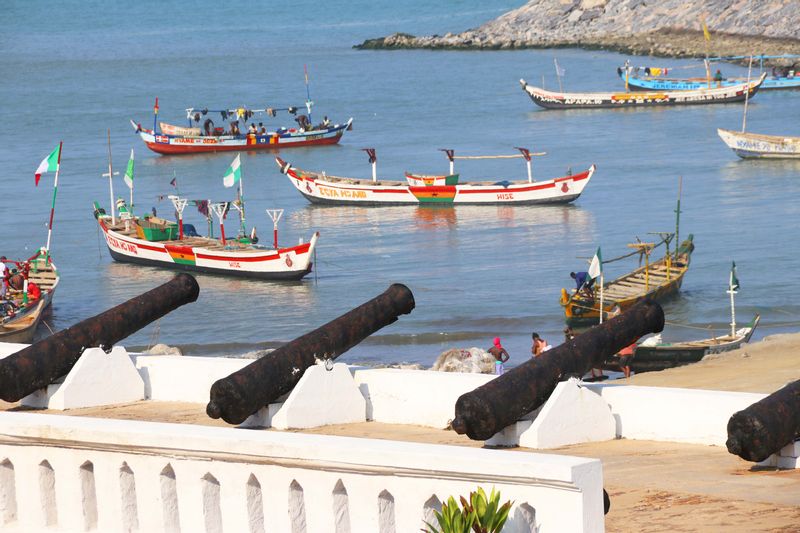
766 426
244 392
40 364
489 408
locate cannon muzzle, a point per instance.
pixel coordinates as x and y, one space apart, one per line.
766 426
244 392
40 364
486 410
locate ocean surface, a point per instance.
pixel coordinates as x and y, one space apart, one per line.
72 70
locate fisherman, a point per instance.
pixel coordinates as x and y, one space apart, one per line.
325 121
500 355
583 282
253 129
718 78
625 355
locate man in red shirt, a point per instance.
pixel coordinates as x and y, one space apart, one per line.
34 293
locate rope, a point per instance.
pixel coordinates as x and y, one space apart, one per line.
495 156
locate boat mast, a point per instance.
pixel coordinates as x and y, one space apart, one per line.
275 215
747 94
220 209
309 103
732 286
110 175
450 156
373 159
678 217
180 205
527 155
155 116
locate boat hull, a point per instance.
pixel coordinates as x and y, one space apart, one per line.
22 327
321 189
176 144
291 263
661 357
637 83
759 146
623 100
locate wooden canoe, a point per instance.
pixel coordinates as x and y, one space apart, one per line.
658 280
759 146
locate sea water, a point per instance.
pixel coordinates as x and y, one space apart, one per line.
71 71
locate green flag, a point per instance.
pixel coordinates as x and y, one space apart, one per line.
734 281
129 172
233 174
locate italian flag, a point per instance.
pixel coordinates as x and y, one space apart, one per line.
49 163
233 174
129 172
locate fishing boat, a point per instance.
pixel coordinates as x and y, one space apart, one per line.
150 240
29 287
657 355
653 354
624 100
656 280
589 304
166 138
759 146
656 78
20 314
443 189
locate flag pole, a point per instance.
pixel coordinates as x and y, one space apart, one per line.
732 292
601 296
241 200
308 93
110 182
53 205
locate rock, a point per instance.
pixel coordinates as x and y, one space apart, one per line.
663 28
473 360
163 349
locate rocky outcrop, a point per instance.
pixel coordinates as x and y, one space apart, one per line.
656 27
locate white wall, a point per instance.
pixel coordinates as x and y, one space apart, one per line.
112 475
679 415
419 397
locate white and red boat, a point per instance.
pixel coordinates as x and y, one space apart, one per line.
419 189
149 240
167 138
157 242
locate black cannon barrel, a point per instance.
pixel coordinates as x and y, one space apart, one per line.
766 426
39 364
486 410
244 392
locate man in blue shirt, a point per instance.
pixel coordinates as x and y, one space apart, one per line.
583 281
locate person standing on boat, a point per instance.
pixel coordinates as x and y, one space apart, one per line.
500 355
583 282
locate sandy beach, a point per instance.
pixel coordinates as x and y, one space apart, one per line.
654 486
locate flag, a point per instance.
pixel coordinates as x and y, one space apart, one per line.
129 172
49 163
734 281
559 71
233 174
706 34
596 266
202 207
174 182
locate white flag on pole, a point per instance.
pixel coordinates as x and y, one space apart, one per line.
596 266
